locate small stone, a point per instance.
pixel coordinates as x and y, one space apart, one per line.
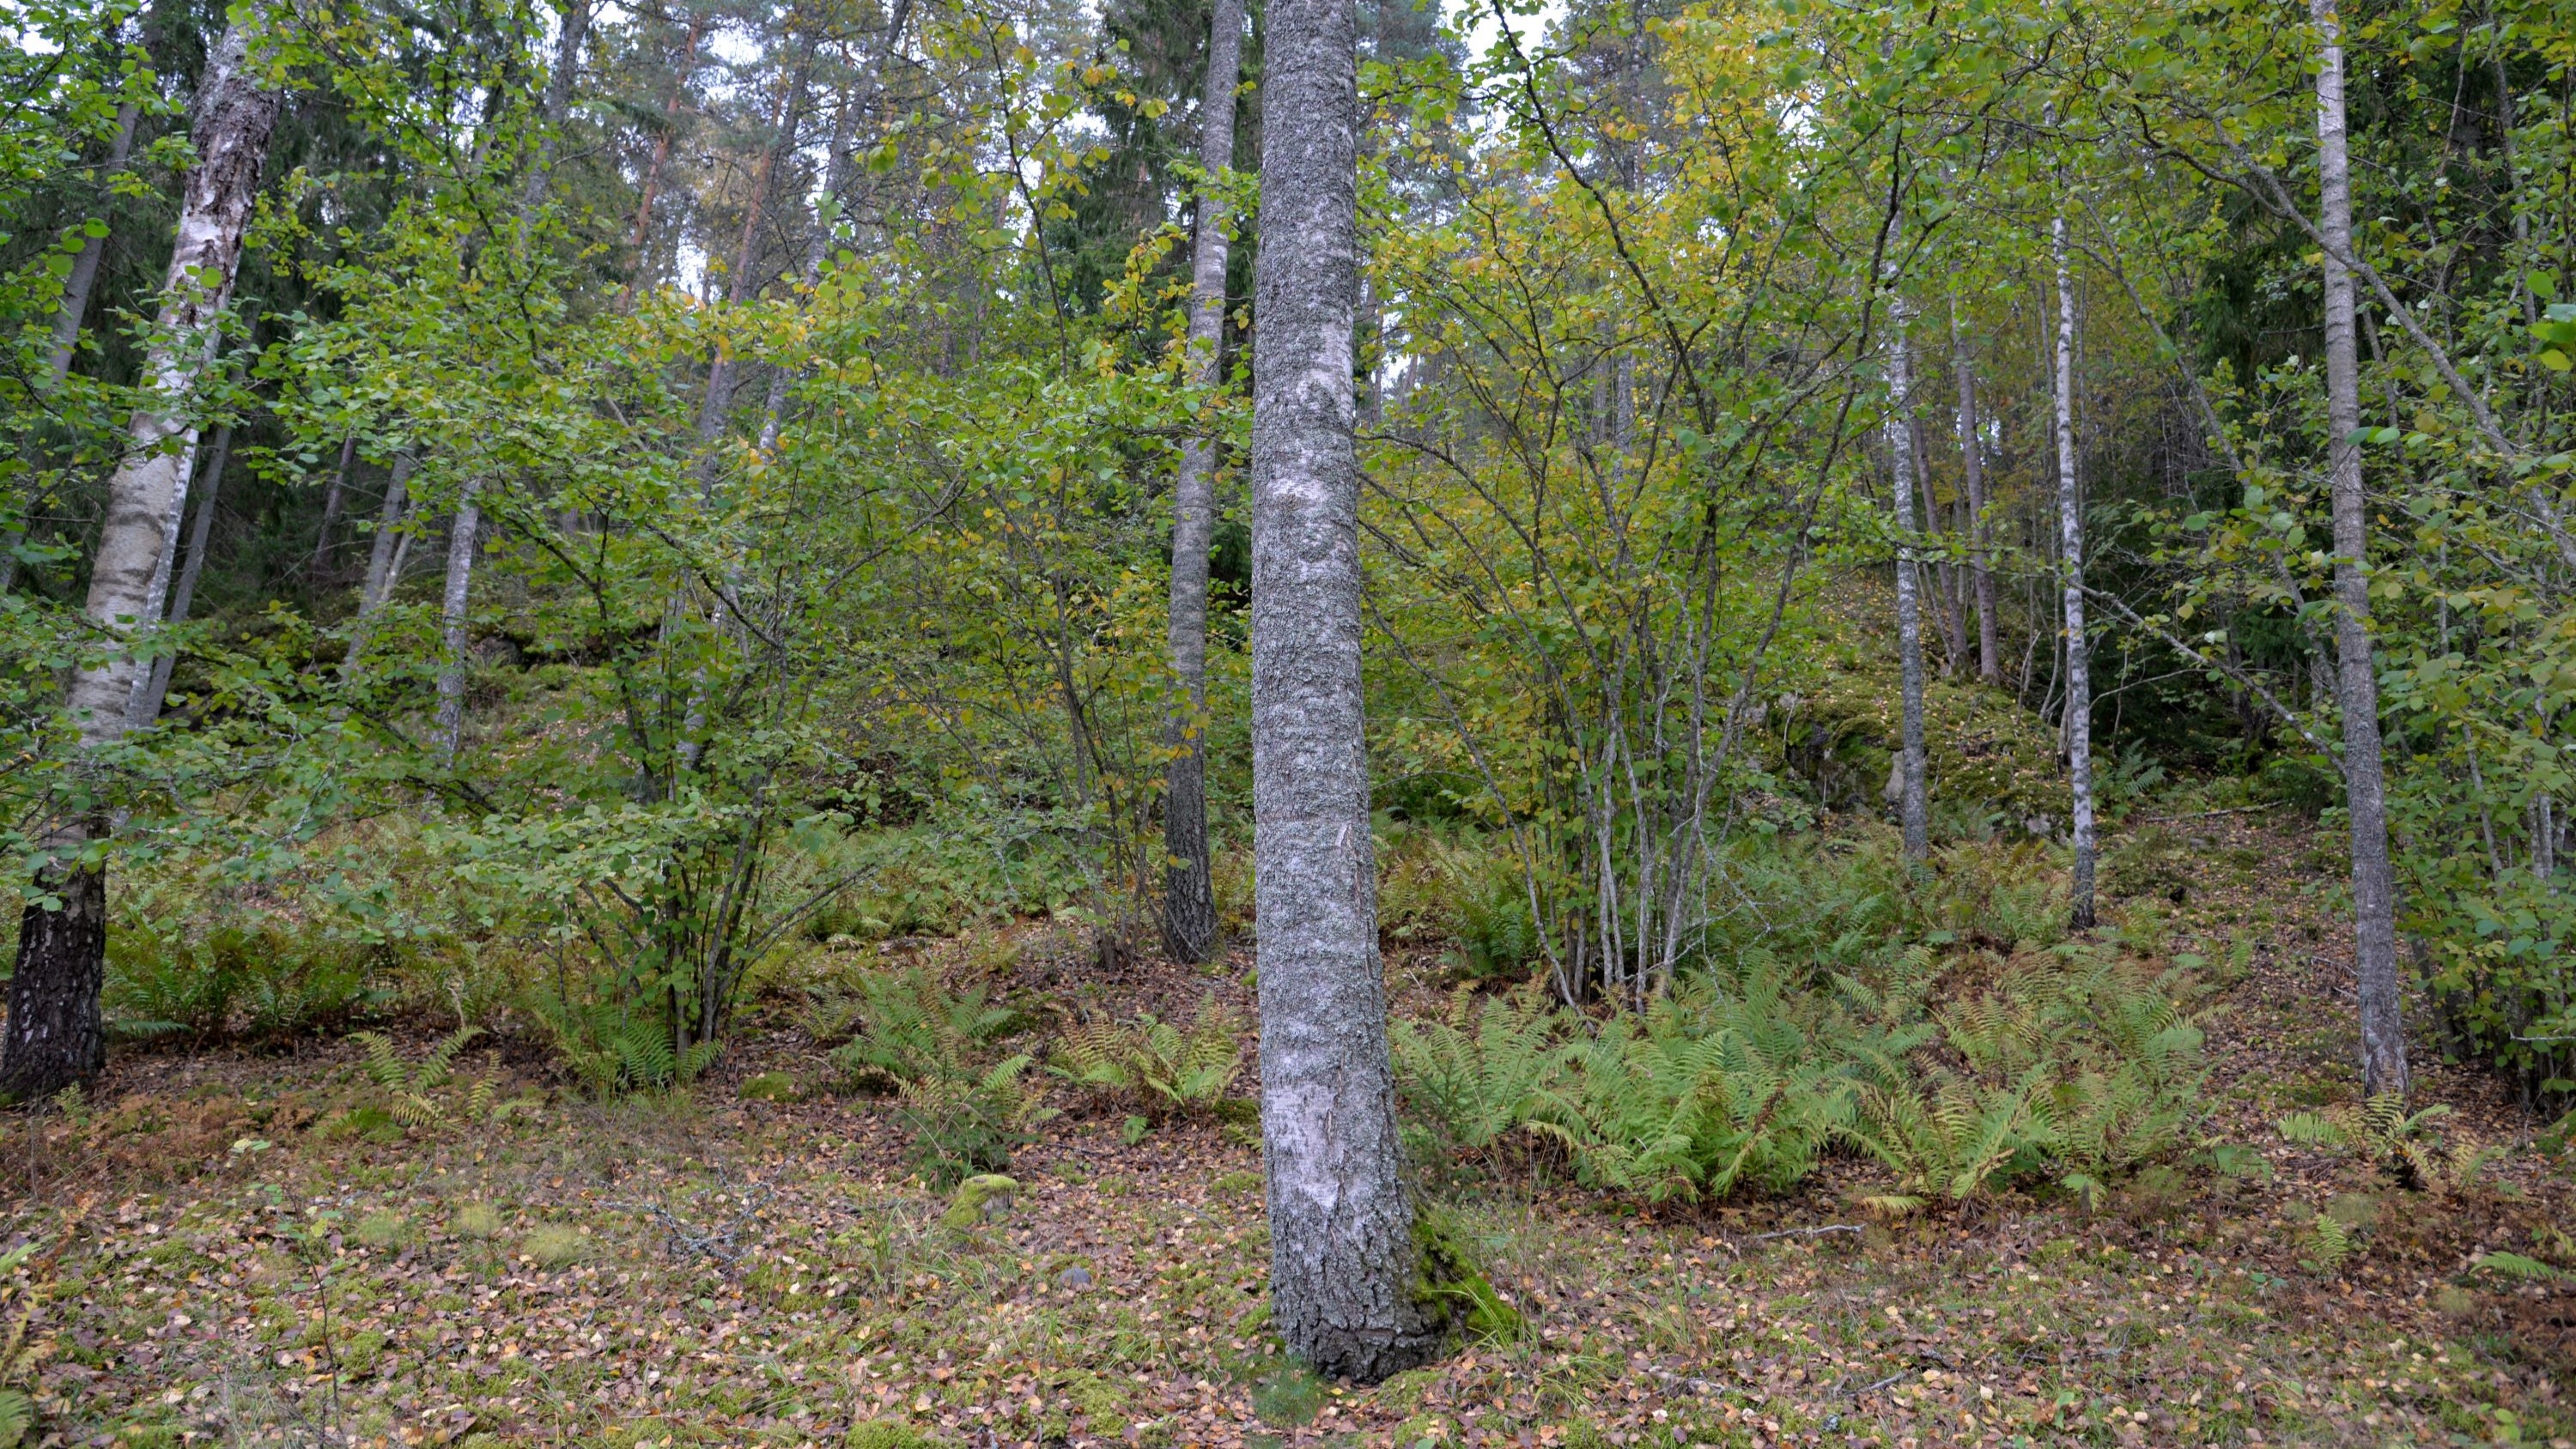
1074 1277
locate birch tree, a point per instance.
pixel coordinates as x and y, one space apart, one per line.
1972 470
2070 537
1189 899
1342 1255
54 1037
1912 811
2383 1035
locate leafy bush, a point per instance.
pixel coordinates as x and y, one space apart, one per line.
1166 1066
611 1045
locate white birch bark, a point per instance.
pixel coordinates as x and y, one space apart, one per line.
53 1034
2070 541
2383 1026
1913 811
1342 1254
1189 899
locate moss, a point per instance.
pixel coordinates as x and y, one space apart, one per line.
383 1230
886 1434
556 1246
1450 1288
977 1198
771 1087
1403 1393
1104 1404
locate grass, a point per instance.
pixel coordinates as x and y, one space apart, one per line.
706 1269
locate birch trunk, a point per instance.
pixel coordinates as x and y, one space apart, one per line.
2383 1025
185 596
1972 468
452 632
1189 897
1954 630
2070 541
1343 1262
720 373
54 1036
1913 813
382 565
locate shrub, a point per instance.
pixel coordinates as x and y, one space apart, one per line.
261 977
964 1126
905 1025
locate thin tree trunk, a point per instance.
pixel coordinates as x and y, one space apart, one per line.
1913 811
839 166
1189 897
661 153
84 273
2383 1024
382 559
53 1036
1954 631
453 619
720 373
332 500
1972 466
1343 1263
2078 717
185 596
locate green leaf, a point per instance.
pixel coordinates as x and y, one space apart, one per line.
2554 360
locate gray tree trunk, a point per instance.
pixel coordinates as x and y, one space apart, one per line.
1343 1262
452 632
1954 631
1189 897
382 566
185 596
53 1036
2383 1019
661 154
1972 466
84 274
333 498
1913 811
2070 539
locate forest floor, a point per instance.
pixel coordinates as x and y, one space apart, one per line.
706 1269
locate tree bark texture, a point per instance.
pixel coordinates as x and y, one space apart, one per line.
1972 467
1913 812
1189 896
2383 1023
2070 541
61 959
54 1036
1343 1263
381 558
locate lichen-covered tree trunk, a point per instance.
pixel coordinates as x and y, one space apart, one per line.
2383 1019
1189 897
1972 467
53 1037
1343 1264
2070 542
1912 810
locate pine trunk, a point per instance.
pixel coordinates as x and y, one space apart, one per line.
2383 1021
1913 811
61 954
2070 540
1189 896
1343 1262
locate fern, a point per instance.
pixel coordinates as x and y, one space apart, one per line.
407 1085
1168 1067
